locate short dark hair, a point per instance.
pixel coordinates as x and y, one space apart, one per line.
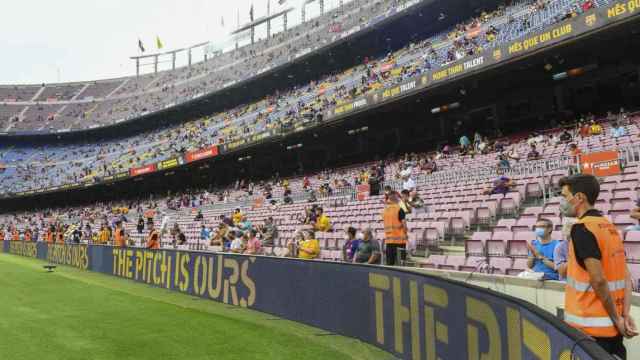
351 231
582 183
404 192
548 223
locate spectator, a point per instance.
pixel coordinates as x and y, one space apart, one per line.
560 254
310 247
205 234
237 216
238 245
140 226
634 214
199 216
323 223
565 137
501 185
464 143
348 250
245 224
416 202
88 233
404 202
542 249
503 162
595 128
269 232
368 250
254 246
617 131
513 154
533 153
220 236
181 238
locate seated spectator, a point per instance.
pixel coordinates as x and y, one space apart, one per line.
310 247
205 234
503 162
464 143
237 216
348 250
140 226
368 250
565 137
220 235
560 254
269 232
404 201
323 223
245 224
533 154
415 201
513 154
542 249
254 246
238 245
501 185
595 128
617 131
199 216
181 238
634 214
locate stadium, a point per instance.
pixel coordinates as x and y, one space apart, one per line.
389 179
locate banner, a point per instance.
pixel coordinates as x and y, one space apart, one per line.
603 163
170 163
200 154
563 31
142 170
406 313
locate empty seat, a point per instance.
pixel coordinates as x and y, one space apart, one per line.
498 243
500 264
434 261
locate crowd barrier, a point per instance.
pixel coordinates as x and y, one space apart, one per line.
409 314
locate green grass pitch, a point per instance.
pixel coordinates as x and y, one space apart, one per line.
73 314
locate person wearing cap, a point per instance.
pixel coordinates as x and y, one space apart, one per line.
598 290
395 229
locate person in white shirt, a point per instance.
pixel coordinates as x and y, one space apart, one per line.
237 245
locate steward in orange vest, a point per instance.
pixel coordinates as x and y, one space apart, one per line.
50 232
598 290
27 235
15 235
395 229
153 239
120 237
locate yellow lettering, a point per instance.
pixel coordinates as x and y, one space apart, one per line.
248 283
380 283
229 284
481 312
184 271
536 340
129 264
215 292
434 330
400 315
199 280
514 334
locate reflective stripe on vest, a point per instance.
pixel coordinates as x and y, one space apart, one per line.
588 321
583 287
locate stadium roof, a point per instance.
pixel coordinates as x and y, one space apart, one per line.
262 20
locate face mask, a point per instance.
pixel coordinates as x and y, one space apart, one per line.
539 232
566 210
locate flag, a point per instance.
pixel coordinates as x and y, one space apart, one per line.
158 42
140 46
251 13
222 21
280 2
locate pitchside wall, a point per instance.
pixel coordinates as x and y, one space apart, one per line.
410 314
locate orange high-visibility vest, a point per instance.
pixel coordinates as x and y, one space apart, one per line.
1 235
27 236
152 240
60 238
119 238
15 235
49 236
394 231
583 308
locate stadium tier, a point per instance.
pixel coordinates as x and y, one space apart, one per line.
67 107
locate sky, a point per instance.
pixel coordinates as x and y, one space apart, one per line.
80 40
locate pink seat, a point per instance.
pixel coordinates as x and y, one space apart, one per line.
634 270
500 264
519 265
505 224
525 224
498 243
434 261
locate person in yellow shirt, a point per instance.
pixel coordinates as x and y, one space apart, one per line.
310 247
237 216
104 236
323 223
595 129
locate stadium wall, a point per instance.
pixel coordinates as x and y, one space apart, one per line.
410 314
